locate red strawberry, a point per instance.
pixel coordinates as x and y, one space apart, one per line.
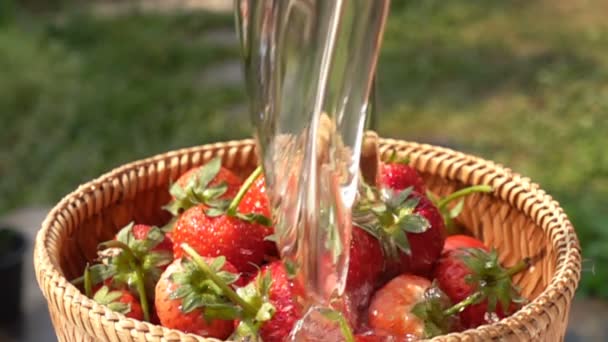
239 235
187 300
425 246
408 225
120 301
462 272
400 176
462 241
241 242
366 265
208 184
373 336
141 232
255 201
408 306
267 305
391 307
132 261
281 295
223 176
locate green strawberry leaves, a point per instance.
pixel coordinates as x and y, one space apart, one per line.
491 279
389 215
255 294
432 311
139 253
255 218
232 209
414 223
110 299
143 247
198 190
395 158
133 262
250 304
338 317
197 290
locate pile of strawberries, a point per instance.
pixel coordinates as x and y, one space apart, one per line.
214 271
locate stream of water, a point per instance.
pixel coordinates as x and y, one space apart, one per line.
309 67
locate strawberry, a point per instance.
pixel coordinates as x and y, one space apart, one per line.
255 201
425 246
239 235
266 307
391 306
365 267
141 232
132 261
461 272
188 300
462 241
373 336
281 294
239 241
121 301
400 176
207 184
409 227
408 306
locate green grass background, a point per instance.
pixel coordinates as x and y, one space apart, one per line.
524 83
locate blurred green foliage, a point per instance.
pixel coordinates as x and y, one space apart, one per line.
519 82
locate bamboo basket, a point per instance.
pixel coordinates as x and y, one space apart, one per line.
519 219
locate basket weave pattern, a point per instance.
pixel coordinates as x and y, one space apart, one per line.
519 219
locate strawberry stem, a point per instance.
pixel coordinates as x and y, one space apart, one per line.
232 208
139 274
141 290
442 203
77 281
117 244
249 310
88 288
520 266
338 317
472 299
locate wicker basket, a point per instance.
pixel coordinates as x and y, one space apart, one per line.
519 219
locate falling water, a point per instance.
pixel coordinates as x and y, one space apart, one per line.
309 67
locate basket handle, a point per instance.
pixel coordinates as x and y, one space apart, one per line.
370 157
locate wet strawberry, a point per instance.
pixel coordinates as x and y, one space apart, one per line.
400 176
237 231
365 268
462 272
409 227
188 300
209 184
132 262
239 241
281 295
408 306
266 307
462 241
255 201
391 307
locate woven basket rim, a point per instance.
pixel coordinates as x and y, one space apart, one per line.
509 187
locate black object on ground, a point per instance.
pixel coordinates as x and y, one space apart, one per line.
12 252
